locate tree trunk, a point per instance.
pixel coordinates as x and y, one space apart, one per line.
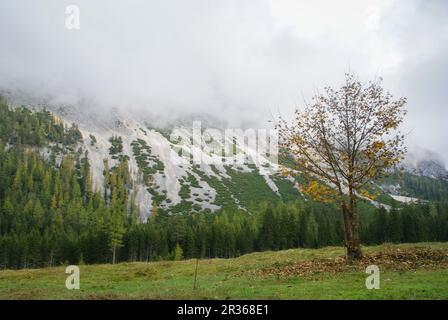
113 256
351 233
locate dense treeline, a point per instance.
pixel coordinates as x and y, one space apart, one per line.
20 126
411 223
50 214
312 225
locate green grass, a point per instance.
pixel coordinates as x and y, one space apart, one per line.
226 279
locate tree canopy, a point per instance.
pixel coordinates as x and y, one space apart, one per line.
342 141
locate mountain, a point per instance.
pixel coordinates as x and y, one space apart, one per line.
172 181
175 183
426 163
91 186
422 176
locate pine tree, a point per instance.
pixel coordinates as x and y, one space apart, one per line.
267 235
190 245
311 230
380 225
395 228
116 231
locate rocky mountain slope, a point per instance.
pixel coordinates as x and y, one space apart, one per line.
166 176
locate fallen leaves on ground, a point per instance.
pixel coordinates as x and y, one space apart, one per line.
390 259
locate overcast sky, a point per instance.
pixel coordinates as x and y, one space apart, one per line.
242 60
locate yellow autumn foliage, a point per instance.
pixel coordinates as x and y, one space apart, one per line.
367 195
319 192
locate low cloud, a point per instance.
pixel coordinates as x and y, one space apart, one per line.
239 60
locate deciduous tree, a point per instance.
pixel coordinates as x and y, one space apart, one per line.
342 141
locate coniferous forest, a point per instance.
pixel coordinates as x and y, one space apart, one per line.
50 213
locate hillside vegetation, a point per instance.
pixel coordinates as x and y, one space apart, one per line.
407 272
51 213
